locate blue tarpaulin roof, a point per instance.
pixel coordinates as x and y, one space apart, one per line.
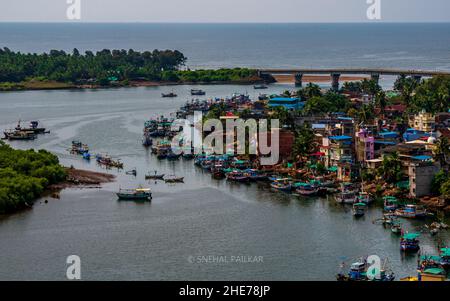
384 142
285 99
388 134
422 158
340 137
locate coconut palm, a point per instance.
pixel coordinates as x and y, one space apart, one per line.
442 150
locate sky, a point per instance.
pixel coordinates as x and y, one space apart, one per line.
224 11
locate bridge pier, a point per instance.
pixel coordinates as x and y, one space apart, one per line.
375 77
298 79
335 81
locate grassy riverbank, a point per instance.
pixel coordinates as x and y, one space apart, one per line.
26 174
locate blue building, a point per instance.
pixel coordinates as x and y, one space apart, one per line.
289 103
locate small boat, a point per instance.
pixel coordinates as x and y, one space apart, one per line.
174 180
359 209
132 172
306 189
409 242
358 272
147 140
282 185
364 197
198 92
237 176
86 156
154 176
445 258
346 197
19 135
138 194
432 274
390 203
259 87
396 227
411 211
171 94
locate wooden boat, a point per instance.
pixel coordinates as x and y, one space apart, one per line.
19 135
259 87
171 94
138 194
396 227
445 258
432 274
358 272
197 92
174 180
409 242
306 189
154 176
282 185
108 161
359 209
132 172
364 197
390 203
237 176
33 127
411 211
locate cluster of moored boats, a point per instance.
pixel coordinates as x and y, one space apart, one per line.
25 133
82 149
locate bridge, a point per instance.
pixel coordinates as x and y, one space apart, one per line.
335 73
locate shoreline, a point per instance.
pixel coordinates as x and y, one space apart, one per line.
53 85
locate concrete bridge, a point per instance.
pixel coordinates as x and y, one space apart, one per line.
335 73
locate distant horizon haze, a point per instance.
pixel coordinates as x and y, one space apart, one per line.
230 11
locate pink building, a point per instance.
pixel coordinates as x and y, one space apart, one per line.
364 146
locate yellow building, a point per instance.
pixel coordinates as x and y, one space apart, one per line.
423 121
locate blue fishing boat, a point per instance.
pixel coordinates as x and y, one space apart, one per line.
409 242
359 209
390 203
282 185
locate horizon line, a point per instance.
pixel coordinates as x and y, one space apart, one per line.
212 22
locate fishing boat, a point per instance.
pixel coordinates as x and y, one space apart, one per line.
364 197
256 175
86 156
174 179
306 189
138 194
445 258
409 242
132 172
411 211
237 176
359 209
259 87
108 161
33 127
396 227
171 94
358 272
282 185
154 176
390 203
147 140
79 148
19 135
347 194
197 92
432 274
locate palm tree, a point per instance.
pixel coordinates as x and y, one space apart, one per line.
380 100
442 150
312 90
391 168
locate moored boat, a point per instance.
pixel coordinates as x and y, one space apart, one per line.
411 211
409 242
359 209
282 185
171 94
306 189
197 92
390 203
138 194
237 176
